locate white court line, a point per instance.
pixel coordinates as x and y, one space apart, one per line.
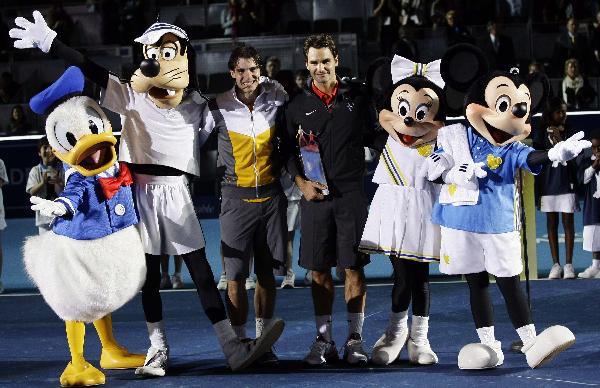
557 380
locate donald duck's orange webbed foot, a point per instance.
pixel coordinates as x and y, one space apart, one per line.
81 375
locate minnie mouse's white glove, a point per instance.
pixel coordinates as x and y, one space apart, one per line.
435 165
36 34
47 208
568 149
465 175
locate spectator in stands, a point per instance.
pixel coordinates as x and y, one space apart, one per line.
535 67
17 124
247 21
571 44
132 22
268 16
3 181
405 46
300 79
9 88
387 11
596 40
498 48
60 21
556 186
576 90
46 180
229 19
412 12
285 77
272 67
455 31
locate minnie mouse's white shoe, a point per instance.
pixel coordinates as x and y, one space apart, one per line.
388 347
480 356
547 345
421 354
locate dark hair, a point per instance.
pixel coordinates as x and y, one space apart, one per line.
595 134
243 51
43 141
320 41
273 59
553 104
419 83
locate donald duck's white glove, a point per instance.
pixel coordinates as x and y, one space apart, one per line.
568 149
48 208
465 175
435 165
36 34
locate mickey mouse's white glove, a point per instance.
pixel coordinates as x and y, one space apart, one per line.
36 34
435 165
568 149
48 208
465 175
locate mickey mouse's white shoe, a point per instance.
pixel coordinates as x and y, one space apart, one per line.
388 347
480 356
421 354
547 345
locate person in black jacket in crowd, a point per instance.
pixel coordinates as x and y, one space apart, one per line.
556 186
340 118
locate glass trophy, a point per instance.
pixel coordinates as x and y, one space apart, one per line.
311 159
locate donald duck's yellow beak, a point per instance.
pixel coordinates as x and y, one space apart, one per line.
92 154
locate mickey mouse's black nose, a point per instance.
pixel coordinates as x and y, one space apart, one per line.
408 121
150 67
520 110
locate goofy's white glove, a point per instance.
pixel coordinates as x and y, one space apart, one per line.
48 208
568 149
465 175
36 34
436 164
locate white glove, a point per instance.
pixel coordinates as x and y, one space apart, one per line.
47 208
36 34
436 164
568 149
466 174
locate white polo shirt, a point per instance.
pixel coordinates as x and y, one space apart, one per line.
151 135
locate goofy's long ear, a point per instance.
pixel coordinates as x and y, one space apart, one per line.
191 57
461 65
539 87
379 81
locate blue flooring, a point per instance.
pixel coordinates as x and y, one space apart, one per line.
34 349
14 277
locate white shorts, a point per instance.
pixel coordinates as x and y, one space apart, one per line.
168 222
563 203
293 215
465 252
591 238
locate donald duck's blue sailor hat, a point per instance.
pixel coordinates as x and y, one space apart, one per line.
68 85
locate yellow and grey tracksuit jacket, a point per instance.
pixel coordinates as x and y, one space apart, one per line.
246 141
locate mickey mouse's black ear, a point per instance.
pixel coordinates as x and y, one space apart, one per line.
539 87
379 80
461 65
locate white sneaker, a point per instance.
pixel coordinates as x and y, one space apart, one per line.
240 354
353 350
250 283
321 352
177 281
569 272
308 278
480 356
590 272
555 272
421 354
547 345
289 280
156 364
388 347
222 285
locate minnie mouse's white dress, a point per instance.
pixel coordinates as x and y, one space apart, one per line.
399 221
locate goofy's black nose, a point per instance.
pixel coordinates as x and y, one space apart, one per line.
520 110
150 67
408 121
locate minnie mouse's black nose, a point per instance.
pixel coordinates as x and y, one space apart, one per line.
520 110
408 121
150 67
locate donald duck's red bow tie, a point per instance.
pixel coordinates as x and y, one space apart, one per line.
110 186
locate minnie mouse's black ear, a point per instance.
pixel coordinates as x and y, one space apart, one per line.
379 80
539 87
461 65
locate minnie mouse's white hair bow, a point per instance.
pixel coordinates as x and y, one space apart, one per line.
404 68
